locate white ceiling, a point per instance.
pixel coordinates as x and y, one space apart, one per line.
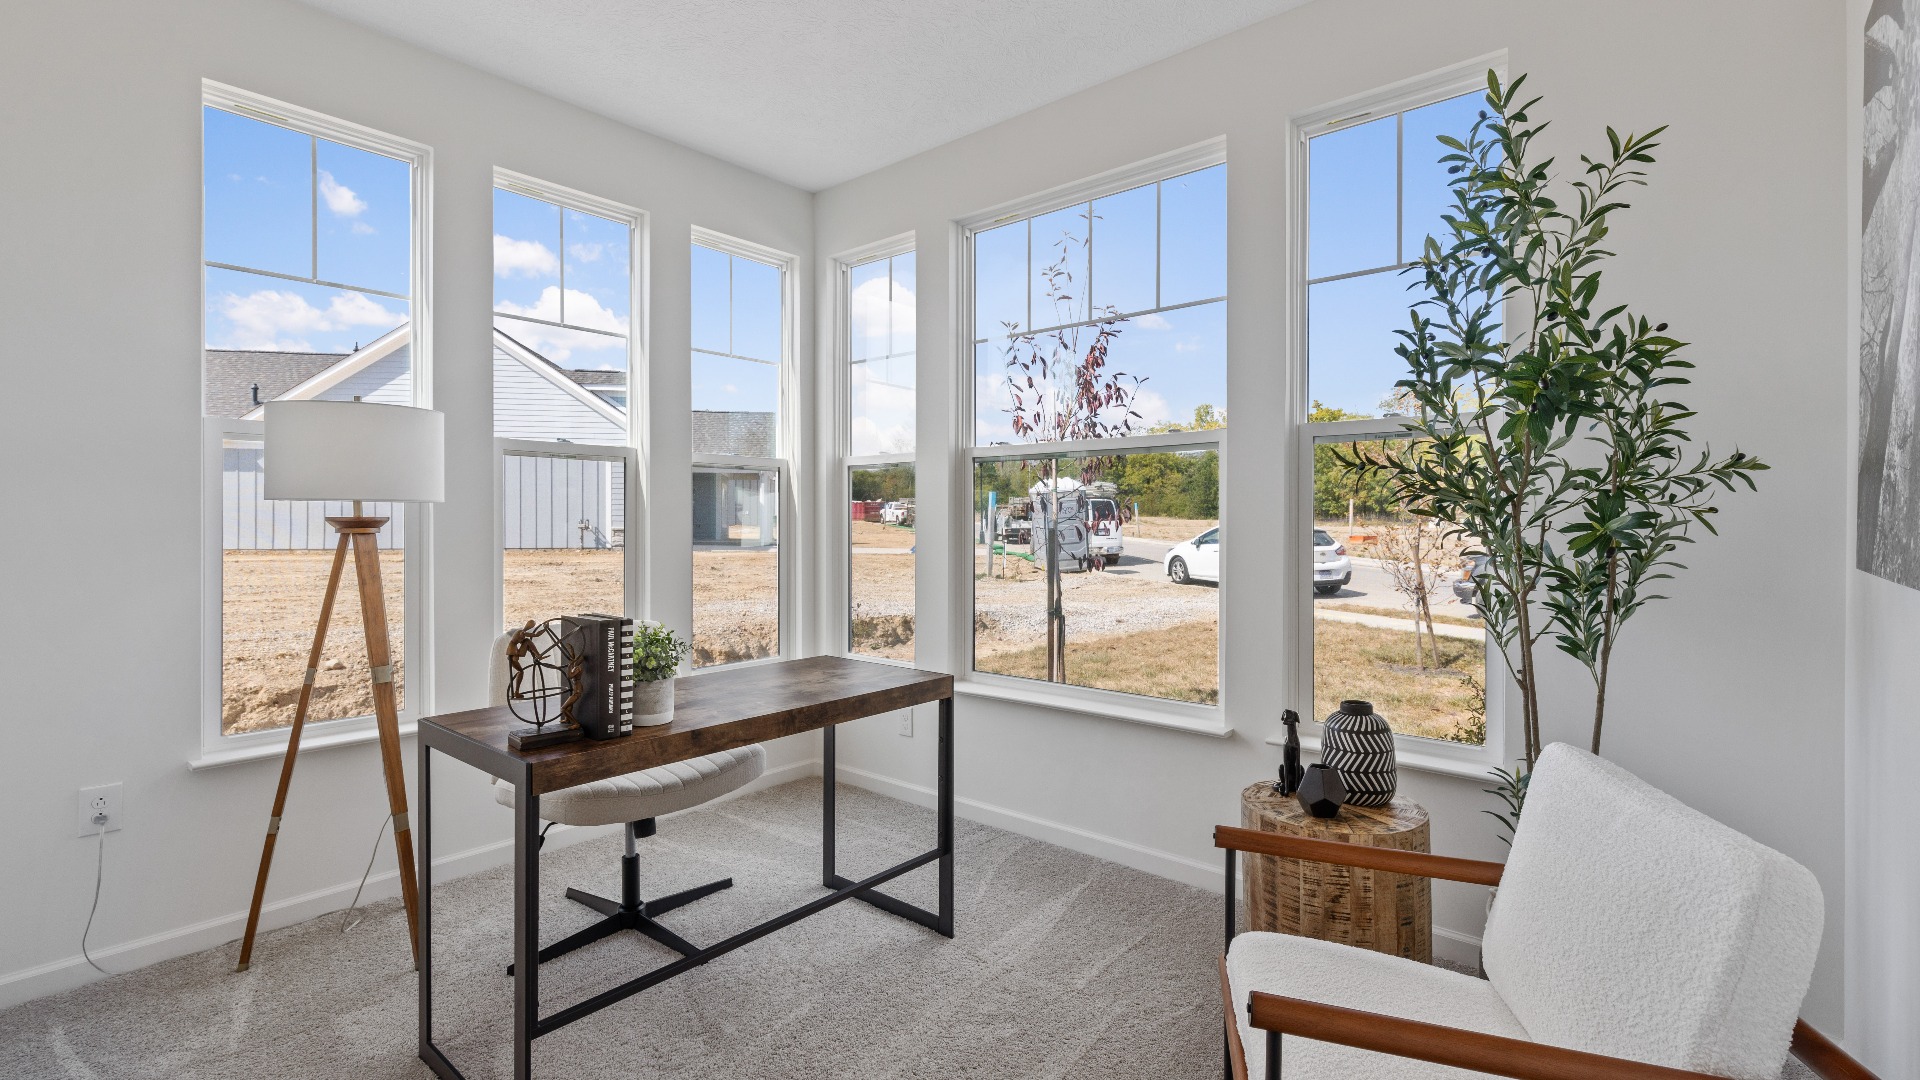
812 92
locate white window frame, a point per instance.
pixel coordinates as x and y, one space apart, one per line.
788 447
417 534
634 540
1136 708
1431 755
842 529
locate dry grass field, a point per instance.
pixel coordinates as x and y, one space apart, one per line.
1131 633
1172 530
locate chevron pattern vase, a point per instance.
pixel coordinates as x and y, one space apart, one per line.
1359 744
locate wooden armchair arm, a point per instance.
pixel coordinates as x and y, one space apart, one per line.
1827 1060
1457 1047
1393 861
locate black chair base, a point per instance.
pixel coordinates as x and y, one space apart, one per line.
630 912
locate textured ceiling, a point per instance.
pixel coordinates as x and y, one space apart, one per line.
811 92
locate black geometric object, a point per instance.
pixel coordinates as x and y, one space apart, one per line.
543 678
1290 771
1321 791
1359 743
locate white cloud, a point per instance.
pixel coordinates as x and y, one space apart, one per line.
528 258
1151 321
559 343
868 308
277 319
586 253
340 198
361 228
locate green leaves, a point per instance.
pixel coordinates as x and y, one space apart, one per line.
1541 411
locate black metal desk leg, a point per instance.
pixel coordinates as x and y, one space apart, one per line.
424 792
526 924
826 806
945 810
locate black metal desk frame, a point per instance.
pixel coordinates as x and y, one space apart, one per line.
528 1024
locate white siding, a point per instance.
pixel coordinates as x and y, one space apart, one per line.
527 405
251 522
388 380
557 502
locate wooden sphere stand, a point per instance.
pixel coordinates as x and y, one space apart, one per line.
359 533
1371 909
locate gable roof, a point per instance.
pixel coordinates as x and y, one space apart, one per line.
232 373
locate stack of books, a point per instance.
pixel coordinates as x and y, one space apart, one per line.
605 708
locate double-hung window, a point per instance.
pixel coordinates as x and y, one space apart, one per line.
1098 339
1392 618
314 271
742 341
566 287
877 288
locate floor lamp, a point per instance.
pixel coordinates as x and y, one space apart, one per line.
340 451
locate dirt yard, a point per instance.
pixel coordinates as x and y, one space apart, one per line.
271 602
1172 530
736 605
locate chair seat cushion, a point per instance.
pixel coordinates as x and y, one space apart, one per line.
649 793
1334 974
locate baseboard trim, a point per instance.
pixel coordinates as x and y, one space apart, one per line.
67 973
1451 945
1111 848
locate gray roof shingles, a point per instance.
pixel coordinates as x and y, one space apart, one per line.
231 373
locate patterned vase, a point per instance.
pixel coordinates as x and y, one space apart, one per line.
1359 744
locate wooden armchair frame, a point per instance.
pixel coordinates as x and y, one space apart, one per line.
1441 1045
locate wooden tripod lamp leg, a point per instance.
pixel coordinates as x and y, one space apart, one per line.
373 612
293 749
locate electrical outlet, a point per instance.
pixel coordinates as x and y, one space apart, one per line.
906 723
95 801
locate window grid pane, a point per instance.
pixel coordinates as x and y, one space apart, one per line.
880 533
736 565
563 537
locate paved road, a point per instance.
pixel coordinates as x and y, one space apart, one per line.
1370 587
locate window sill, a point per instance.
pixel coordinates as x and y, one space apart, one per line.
1468 762
1197 719
277 748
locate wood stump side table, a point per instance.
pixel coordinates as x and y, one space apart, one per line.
1370 909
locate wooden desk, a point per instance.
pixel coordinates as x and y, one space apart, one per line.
713 711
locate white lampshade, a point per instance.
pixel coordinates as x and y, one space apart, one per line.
338 450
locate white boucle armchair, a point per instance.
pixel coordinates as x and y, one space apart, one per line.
1631 937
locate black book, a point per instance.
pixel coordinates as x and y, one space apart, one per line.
583 636
614 656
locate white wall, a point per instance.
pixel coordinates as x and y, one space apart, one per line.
1728 695
1883 724
100 115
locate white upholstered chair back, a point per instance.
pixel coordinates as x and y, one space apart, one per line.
1629 924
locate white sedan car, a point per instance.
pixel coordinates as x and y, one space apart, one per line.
1194 560
1198 559
1331 567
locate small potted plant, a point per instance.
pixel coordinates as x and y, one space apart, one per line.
657 654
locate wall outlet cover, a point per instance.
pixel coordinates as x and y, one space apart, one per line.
906 723
98 800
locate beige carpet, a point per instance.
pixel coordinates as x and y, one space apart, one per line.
1065 966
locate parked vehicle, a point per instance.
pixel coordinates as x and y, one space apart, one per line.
1194 560
1103 525
897 513
1331 567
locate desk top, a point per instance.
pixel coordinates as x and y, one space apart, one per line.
712 711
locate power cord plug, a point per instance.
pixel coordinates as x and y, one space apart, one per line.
99 875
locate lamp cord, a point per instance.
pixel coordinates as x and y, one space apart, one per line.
99 873
368 872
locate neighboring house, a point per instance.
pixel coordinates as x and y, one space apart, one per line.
554 502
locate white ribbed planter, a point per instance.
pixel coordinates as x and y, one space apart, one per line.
653 703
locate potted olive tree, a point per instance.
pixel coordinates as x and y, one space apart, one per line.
657 655
1548 438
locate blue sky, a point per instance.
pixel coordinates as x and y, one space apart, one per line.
736 333
1351 227
284 202
1180 355
270 194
